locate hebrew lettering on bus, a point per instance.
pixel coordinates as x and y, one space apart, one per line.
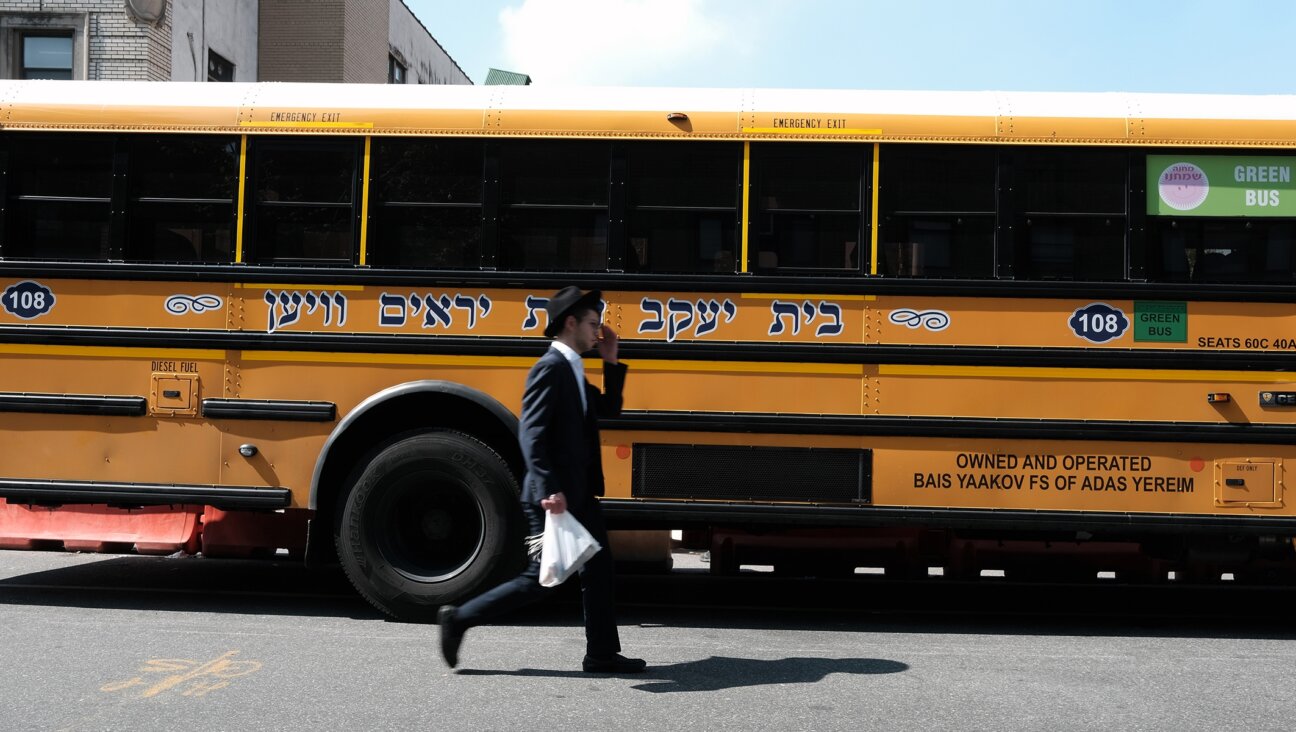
536 306
437 311
288 307
677 317
790 316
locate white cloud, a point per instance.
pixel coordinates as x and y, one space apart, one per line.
611 41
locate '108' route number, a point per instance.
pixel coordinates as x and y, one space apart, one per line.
27 299
1099 322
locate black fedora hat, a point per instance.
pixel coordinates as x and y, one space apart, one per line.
566 300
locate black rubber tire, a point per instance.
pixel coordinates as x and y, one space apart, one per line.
428 520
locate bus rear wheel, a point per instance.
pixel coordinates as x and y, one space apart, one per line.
428 520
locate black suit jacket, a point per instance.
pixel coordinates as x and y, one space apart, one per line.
560 443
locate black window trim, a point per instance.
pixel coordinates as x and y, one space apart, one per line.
256 146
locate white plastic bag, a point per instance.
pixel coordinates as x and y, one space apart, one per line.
566 547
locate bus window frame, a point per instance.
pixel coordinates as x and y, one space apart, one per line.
131 202
630 206
888 216
379 208
500 215
112 251
1148 240
257 145
863 255
1015 252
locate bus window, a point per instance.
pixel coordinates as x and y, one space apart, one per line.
937 211
59 196
1071 205
1221 250
682 207
181 204
808 206
426 203
554 205
301 201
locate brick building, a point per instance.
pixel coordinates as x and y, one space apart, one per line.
371 41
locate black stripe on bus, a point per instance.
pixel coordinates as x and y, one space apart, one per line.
631 514
958 427
279 409
751 352
628 282
123 406
19 490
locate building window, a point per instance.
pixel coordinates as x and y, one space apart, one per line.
46 56
218 67
395 71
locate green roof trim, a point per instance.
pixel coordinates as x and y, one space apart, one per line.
499 77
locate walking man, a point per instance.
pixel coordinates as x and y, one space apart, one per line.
564 472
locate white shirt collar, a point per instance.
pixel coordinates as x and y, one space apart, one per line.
578 368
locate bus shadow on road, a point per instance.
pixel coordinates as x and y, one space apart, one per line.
719 673
132 582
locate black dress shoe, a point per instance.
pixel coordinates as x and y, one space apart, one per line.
614 664
451 633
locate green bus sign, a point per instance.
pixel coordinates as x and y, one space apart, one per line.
1165 322
1220 185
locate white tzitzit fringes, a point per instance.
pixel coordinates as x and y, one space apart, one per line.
533 544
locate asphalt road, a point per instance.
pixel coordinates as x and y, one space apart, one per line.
94 642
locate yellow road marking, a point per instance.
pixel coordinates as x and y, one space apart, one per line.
205 677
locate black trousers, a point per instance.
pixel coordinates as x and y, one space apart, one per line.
601 638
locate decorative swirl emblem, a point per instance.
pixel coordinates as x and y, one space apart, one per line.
929 319
185 304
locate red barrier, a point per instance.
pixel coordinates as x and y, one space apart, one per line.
253 534
96 528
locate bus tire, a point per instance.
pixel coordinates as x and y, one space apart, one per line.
428 520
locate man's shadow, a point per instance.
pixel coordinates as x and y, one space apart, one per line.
718 672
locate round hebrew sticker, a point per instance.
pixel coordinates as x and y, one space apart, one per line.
1183 186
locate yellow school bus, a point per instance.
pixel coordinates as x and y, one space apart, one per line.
967 330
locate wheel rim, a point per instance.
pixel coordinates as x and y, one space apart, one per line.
429 526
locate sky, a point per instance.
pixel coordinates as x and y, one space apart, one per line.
1206 46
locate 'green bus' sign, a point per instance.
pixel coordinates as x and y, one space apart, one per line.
1220 185
1166 322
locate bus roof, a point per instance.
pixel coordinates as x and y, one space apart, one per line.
653 113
